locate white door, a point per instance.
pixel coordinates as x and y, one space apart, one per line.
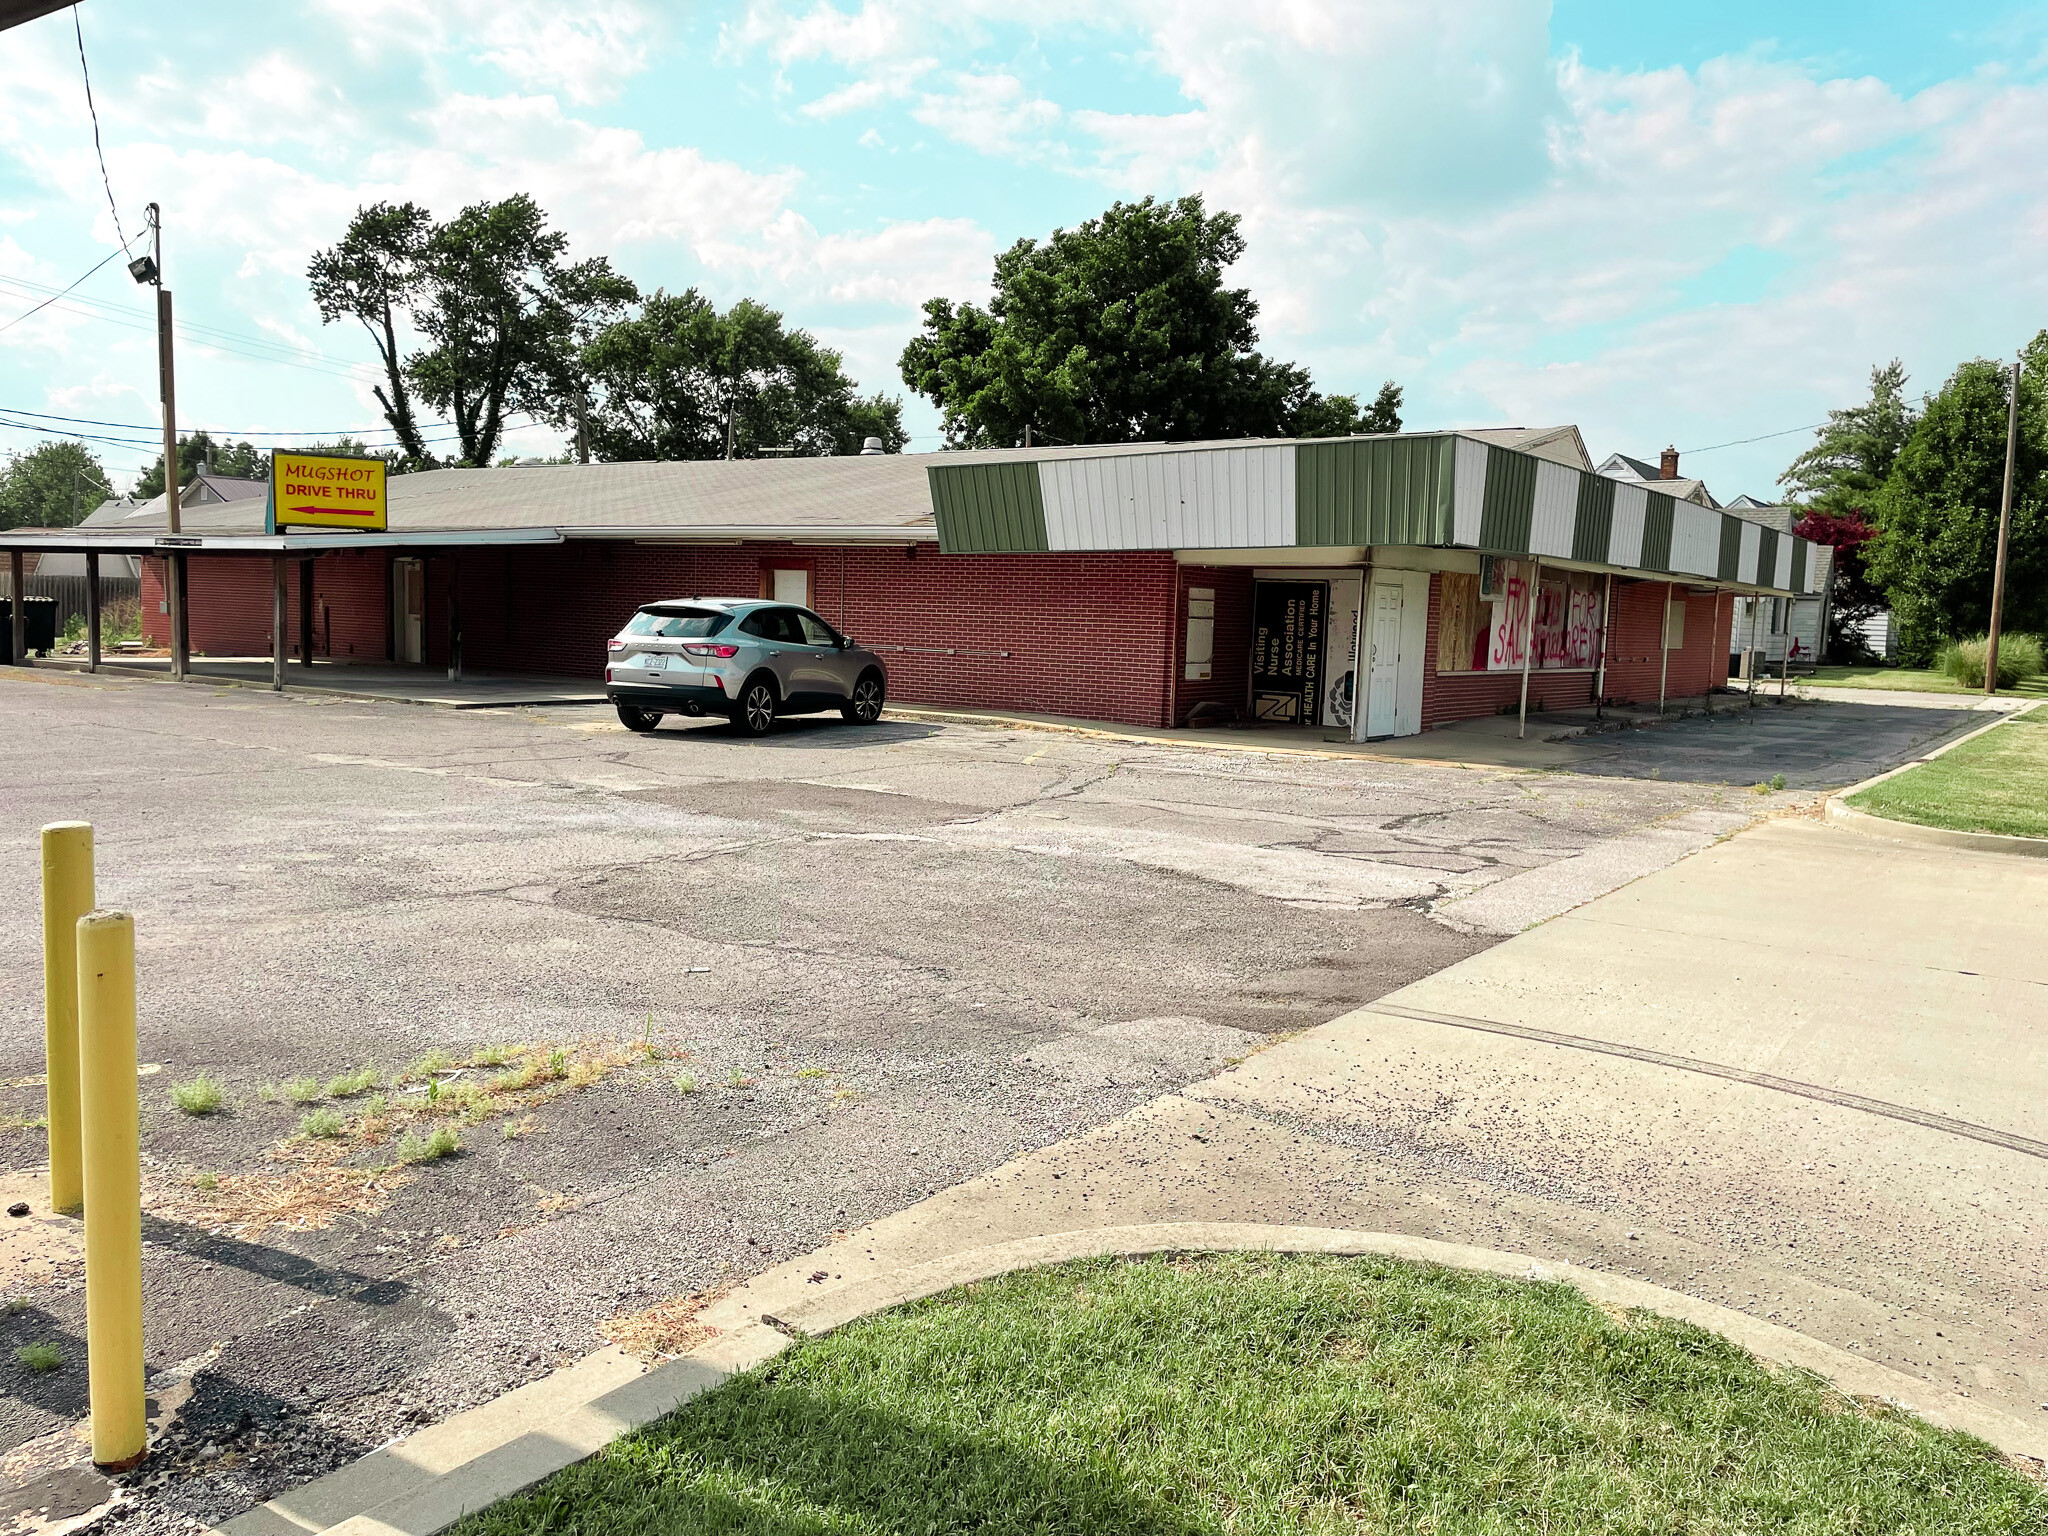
792 587
409 609
1384 665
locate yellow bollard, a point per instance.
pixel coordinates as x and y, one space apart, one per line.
67 896
113 1188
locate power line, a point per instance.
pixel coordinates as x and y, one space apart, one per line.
93 111
362 434
10 325
136 426
1815 427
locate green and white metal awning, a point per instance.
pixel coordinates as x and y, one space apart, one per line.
1441 490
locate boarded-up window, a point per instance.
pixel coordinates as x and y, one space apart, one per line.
1461 624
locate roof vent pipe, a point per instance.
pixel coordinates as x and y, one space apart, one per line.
872 445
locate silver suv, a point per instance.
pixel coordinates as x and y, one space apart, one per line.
745 659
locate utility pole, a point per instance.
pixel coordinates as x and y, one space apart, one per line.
150 269
2012 435
582 402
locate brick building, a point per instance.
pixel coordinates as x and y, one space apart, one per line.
1140 584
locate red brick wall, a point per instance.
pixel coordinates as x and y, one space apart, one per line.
1633 658
1448 696
1092 635
1230 674
231 606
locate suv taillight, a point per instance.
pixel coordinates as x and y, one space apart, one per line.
724 651
615 645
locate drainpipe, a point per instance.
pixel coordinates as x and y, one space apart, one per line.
1664 651
1529 644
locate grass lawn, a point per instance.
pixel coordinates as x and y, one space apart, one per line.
1911 680
1263 1393
1996 783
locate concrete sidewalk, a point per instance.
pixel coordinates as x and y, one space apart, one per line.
1800 1075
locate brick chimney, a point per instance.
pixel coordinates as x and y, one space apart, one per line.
1667 467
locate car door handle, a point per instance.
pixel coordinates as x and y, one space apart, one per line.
773 654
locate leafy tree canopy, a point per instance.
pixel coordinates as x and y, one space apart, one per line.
238 461
1937 512
1121 331
1852 455
54 485
680 380
501 311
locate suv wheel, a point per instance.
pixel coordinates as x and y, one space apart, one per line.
754 715
638 719
865 707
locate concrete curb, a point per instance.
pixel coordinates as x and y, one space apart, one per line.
1838 811
428 1482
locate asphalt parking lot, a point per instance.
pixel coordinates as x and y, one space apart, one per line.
882 960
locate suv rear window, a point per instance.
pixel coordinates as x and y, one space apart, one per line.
678 623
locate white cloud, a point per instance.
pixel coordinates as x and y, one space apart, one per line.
996 114
586 51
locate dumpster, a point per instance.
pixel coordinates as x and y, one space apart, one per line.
41 617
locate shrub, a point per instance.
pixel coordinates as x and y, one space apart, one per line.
2019 658
199 1095
322 1124
40 1357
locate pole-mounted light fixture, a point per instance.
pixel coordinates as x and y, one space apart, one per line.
143 268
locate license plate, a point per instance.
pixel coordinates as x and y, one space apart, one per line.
656 663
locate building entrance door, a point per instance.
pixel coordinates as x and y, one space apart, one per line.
1384 674
792 586
409 611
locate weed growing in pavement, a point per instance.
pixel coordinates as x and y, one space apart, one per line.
1777 781
39 1357
19 1305
686 1083
24 1123
206 1181
512 1130
495 1055
738 1079
427 1064
199 1095
438 1143
807 1073
323 1124
302 1090
268 1093
558 1062
349 1084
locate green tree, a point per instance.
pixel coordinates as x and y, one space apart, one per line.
1121 331
1852 455
55 484
237 461
505 318
1937 513
371 275
680 380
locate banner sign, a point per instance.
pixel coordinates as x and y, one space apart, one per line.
1287 649
326 490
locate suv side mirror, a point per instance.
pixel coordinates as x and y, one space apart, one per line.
846 642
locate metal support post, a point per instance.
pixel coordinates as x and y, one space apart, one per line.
1664 650
92 610
1755 617
17 643
113 1188
278 566
1785 660
2012 432
179 587
306 612
1528 645
1606 623
67 896
454 618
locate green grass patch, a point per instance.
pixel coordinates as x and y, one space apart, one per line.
349 1084
438 1143
39 1358
1997 782
301 1090
1256 1394
323 1124
199 1095
1913 680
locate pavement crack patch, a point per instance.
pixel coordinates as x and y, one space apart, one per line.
1836 1096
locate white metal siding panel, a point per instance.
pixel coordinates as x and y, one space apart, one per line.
1468 491
1625 538
1752 546
1557 510
1230 498
1695 540
1783 576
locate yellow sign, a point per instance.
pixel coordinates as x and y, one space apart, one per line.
324 490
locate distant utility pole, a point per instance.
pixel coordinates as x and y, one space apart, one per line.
2012 435
582 402
150 270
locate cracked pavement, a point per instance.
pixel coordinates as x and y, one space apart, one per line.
891 958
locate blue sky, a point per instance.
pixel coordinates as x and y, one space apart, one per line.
1670 223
